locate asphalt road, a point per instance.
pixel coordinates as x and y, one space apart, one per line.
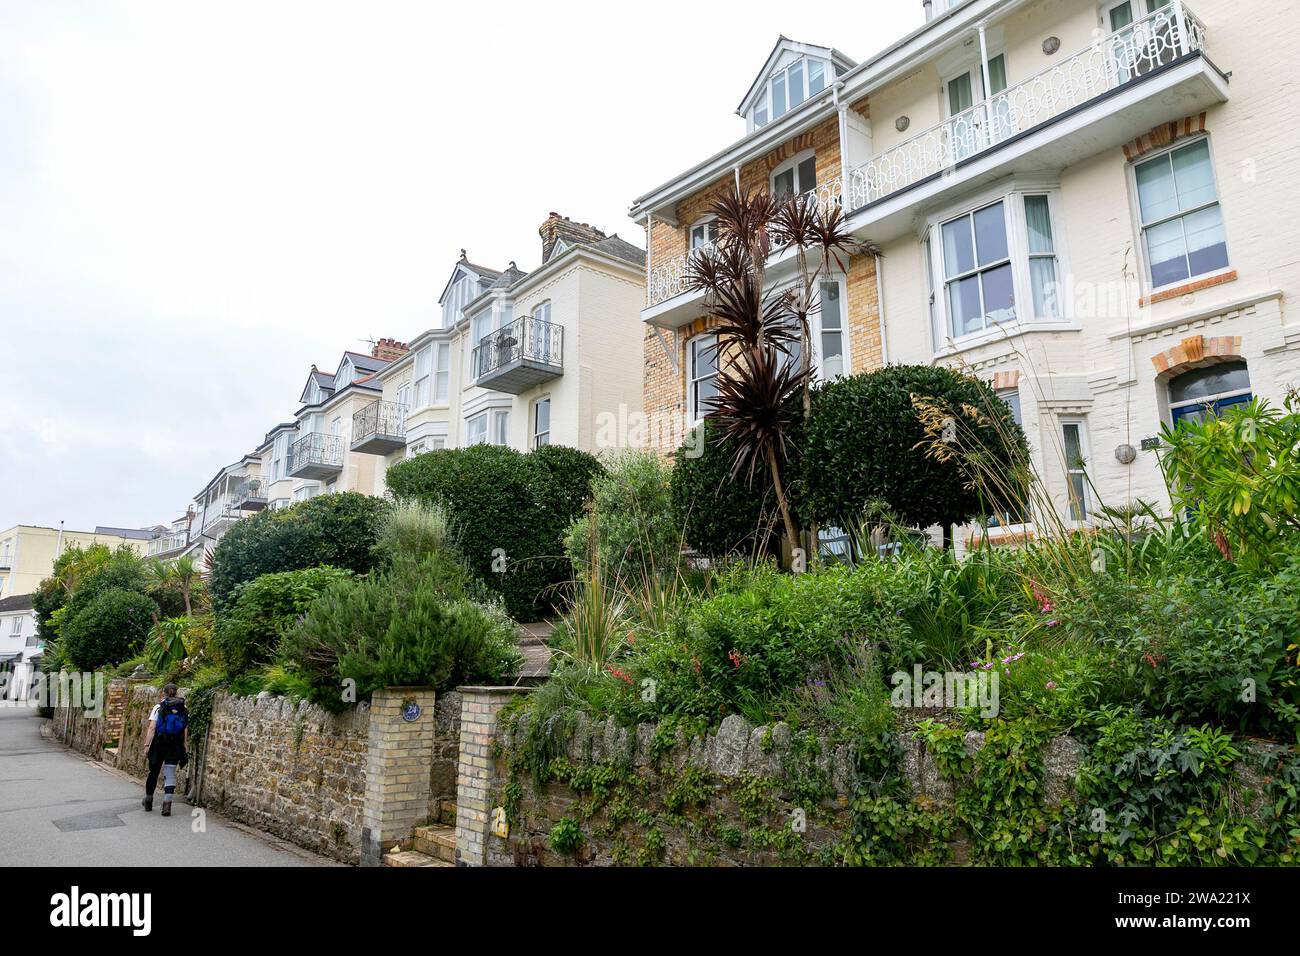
58 808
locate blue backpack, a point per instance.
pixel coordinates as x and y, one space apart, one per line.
173 718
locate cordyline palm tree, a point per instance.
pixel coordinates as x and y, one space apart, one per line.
183 572
761 375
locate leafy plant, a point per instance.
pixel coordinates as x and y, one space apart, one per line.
262 610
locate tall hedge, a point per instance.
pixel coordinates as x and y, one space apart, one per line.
110 628
510 510
864 442
337 529
720 515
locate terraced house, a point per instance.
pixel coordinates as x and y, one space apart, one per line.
524 359
1081 202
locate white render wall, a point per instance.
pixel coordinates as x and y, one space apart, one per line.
1102 370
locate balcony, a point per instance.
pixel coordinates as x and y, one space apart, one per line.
1150 72
167 544
379 428
519 356
249 495
669 279
316 456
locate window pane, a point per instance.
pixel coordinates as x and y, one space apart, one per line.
958 247
816 77
999 297
991 234
1042 279
832 354
959 94
1013 402
964 306
543 416
808 174
1167 252
1213 380
1078 489
1039 223
783 183
998 73
778 95
796 84
1156 195
1121 16
1073 444
1193 175
1206 248
830 308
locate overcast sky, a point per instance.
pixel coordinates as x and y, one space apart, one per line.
199 200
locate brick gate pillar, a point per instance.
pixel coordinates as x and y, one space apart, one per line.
398 766
475 773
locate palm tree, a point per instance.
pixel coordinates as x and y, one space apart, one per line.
182 573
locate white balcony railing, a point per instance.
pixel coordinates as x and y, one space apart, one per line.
165 544
1112 61
669 278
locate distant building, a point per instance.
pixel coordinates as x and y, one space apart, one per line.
20 651
27 552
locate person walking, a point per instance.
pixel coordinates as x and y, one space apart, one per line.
166 743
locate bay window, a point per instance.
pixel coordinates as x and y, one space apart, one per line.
979 287
423 360
1042 257
442 372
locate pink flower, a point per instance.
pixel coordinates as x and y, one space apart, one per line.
1051 685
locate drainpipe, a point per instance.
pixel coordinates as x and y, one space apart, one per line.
880 312
736 170
842 112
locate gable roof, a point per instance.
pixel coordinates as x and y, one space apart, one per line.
782 45
620 249
463 265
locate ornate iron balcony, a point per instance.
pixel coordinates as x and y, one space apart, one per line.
379 428
516 357
316 456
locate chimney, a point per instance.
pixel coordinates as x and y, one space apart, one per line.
559 227
388 350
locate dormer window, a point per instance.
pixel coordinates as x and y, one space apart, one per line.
789 86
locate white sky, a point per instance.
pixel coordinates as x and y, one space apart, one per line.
199 200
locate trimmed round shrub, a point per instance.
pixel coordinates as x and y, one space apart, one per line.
510 512
865 444
263 609
721 515
338 530
110 628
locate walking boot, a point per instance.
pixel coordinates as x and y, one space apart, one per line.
147 803
167 808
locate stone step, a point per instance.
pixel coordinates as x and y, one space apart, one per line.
110 756
437 840
447 812
412 858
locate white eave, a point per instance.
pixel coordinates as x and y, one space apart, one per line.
894 61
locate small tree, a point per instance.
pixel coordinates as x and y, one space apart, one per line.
877 439
719 516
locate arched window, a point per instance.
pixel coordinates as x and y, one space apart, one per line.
1208 390
704 233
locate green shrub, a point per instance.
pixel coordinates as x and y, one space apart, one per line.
866 443
572 470
566 836
262 610
407 624
720 515
110 627
510 511
631 510
338 530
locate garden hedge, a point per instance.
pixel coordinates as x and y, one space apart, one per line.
338 530
720 515
510 510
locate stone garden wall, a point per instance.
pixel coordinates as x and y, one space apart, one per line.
286 767
291 769
741 796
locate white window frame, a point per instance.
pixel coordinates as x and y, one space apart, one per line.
441 373
1071 469
794 162
1141 227
420 376
1012 195
471 424
817 330
535 440
765 100
709 224
693 415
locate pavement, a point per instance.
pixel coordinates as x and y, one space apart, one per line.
60 808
